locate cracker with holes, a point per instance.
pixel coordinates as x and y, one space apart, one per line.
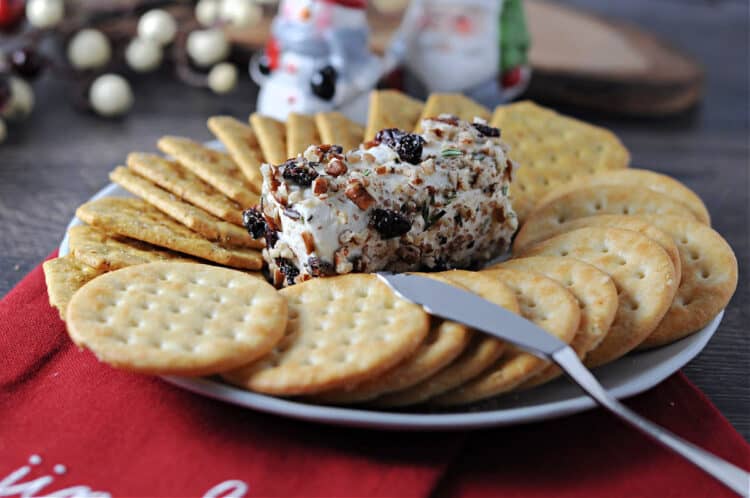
617 221
214 167
642 272
271 137
196 219
177 318
242 145
391 109
480 352
455 104
300 134
107 251
595 292
638 178
336 129
546 303
175 178
342 331
709 279
137 219
553 150
64 276
590 201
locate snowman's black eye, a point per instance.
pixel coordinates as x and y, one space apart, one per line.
323 83
264 65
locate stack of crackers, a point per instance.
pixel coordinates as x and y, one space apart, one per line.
609 259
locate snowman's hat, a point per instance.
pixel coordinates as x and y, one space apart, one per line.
351 4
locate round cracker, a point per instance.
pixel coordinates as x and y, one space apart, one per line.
708 283
342 331
619 221
590 201
177 318
638 178
594 290
546 303
479 354
642 272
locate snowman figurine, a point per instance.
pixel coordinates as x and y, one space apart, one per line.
475 47
317 59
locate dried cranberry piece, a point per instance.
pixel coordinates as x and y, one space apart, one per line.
5 91
408 146
301 173
255 223
487 131
272 236
389 223
26 62
288 269
320 268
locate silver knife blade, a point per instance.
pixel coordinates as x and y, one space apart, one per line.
452 303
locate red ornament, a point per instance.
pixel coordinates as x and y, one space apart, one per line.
11 14
511 77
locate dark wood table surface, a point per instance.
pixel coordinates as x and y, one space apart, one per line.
60 157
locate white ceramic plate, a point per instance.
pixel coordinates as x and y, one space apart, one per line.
630 375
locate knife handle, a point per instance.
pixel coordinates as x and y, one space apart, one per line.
730 475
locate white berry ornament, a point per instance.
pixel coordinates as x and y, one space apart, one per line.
21 101
157 25
3 131
207 12
222 78
110 95
89 49
45 13
241 13
143 55
207 47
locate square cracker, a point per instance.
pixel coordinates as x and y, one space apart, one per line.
214 167
335 128
106 251
271 137
64 276
242 145
175 178
552 150
137 219
392 109
196 219
452 103
300 134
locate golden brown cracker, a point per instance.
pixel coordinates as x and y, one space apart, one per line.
708 283
271 137
342 330
242 145
543 301
214 167
300 134
201 222
391 109
641 270
175 178
139 220
107 251
591 201
455 104
64 276
177 318
335 128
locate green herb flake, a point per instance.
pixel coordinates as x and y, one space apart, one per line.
367 172
451 152
434 219
504 189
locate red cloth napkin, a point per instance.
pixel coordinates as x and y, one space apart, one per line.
72 426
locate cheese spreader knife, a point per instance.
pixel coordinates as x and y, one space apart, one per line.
455 304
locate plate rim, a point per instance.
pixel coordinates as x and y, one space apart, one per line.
685 350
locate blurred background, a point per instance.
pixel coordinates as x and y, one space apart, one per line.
84 82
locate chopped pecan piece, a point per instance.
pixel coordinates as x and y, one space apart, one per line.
336 167
320 186
309 241
358 194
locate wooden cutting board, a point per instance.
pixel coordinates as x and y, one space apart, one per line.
580 59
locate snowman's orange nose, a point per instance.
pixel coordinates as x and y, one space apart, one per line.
304 14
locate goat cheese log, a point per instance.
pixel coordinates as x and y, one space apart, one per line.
401 202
